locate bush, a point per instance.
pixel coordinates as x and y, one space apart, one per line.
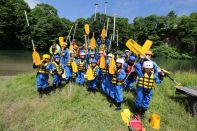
167 52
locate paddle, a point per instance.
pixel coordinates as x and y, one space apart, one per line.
74 32
114 28
131 45
61 41
107 26
95 11
110 43
68 36
112 66
103 33
126 114
92 42
87 31
35 55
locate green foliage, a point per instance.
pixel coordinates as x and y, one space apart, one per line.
12 20
76 109
166 51
169 52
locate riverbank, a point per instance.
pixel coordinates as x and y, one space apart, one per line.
76 109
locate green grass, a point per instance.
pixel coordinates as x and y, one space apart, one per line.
76 109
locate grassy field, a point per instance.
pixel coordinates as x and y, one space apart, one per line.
76 109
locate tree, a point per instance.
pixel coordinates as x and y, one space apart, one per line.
12 24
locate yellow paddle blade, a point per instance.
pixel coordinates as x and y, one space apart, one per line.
71 48
137 49
74 67
61 41
103 33
87 29
147 45
102 62
89 74
130 45
112 66
126 114
134 47
36 58
92 42
155 121
124 118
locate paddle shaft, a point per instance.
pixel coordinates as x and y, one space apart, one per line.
110 43
130 71
26 18
86 42
69 34
32 42
172 79
114 28
117 37
74 31
107 26
95 11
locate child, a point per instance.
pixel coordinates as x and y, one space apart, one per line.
68 67
43 75
57 72
92 84
144 87
130 70
81 63
118 81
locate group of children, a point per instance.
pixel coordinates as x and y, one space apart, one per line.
127 71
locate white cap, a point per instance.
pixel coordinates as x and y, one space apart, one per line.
110 55
119 60
127 51
148 64
82 53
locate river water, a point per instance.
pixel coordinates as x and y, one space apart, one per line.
16 62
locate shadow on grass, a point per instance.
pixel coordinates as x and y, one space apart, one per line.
183 100
130 103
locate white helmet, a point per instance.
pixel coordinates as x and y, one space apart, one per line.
127 51
110 55
70 52
119 60
148 64
82 53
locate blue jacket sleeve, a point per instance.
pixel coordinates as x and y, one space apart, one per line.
121 75
138 69
157 80
48 67
125 66
155 69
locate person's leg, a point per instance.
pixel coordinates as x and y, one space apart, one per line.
138 100
146 101
118 96
46 84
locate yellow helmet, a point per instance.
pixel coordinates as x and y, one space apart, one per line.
46 56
